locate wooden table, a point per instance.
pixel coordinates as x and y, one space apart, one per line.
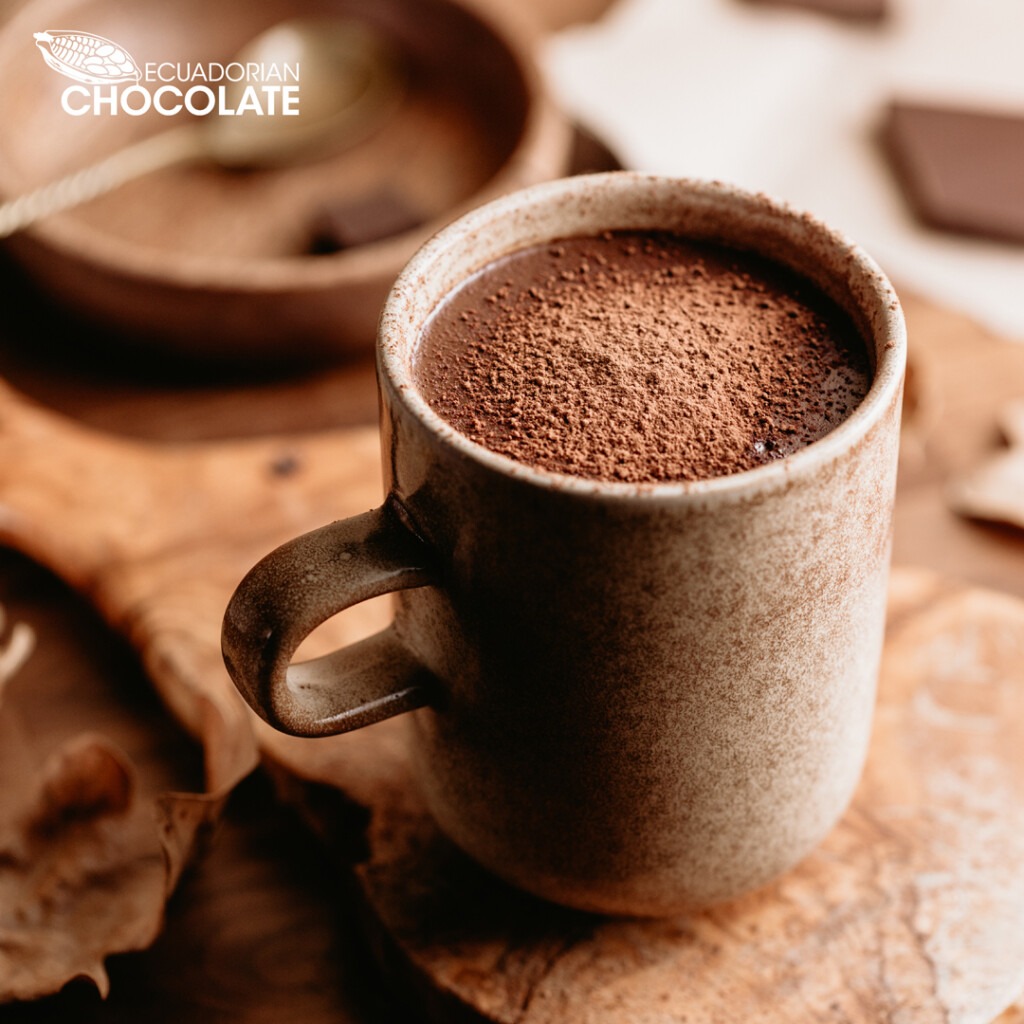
262 928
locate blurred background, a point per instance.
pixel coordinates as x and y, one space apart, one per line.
793 102
846 108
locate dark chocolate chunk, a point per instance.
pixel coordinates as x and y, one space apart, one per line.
961 170
591 154
285 465
369 218
854 10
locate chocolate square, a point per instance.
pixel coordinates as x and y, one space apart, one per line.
853 10
961 170
371 218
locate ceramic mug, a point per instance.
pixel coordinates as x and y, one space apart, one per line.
635 699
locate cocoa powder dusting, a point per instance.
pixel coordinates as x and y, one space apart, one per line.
641 357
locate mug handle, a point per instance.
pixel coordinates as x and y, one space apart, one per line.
301 584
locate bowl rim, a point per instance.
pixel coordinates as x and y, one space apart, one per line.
545 130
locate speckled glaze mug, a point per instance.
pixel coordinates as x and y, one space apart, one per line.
637 699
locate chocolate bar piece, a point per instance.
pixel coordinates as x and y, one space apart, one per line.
960 170
370 218
854 10
590 154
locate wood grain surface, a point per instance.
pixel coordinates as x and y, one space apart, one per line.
140 492
914 901
157 514
264 927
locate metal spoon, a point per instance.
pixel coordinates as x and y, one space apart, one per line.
349 81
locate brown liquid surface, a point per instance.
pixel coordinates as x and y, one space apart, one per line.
641 357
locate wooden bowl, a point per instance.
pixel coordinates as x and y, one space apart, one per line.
220 263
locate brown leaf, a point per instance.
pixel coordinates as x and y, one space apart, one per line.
87 860
85 782
74 872
86 868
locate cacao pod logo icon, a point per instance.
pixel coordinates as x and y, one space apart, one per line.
86 58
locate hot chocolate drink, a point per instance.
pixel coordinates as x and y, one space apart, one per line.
641 357
628 698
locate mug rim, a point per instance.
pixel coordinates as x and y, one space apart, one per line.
400 328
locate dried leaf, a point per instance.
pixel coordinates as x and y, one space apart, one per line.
74 871
87 861
83 870
87 781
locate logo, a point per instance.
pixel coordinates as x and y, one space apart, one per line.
109 81
92 60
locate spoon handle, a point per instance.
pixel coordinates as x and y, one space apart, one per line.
169 147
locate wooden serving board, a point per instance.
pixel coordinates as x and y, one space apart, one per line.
915 900
915 904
